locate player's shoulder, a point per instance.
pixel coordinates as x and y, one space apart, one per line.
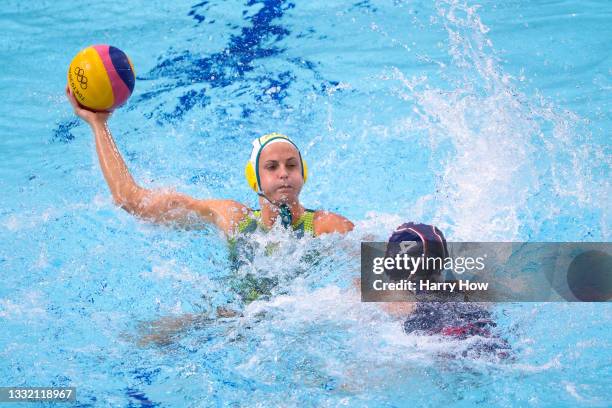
326 222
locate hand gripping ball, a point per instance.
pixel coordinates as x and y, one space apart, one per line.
101 77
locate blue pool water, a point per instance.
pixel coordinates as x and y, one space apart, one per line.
489 119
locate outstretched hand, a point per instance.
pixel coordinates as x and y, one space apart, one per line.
89 116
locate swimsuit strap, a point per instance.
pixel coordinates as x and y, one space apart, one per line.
305 223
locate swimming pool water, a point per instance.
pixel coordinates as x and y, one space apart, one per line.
488 119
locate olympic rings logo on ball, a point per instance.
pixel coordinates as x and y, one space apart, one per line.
80 74
101 77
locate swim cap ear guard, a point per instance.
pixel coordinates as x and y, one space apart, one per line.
251 171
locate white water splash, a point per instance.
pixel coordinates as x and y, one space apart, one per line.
507 161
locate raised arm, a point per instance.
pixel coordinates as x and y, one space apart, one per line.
155 205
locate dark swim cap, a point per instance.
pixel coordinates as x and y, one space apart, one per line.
416 240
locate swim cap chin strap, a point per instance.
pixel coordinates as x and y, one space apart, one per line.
284 211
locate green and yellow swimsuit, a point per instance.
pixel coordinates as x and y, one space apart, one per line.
251 287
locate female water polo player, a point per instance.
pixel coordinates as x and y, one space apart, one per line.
454 319
275 170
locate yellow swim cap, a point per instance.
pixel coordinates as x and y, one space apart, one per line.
251 170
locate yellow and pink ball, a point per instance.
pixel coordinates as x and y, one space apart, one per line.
101 77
